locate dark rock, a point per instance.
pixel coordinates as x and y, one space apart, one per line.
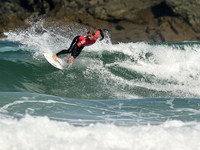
188 10
127 21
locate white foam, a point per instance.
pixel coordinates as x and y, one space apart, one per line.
44 38
42 133
177 68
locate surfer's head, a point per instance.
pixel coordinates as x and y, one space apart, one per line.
91 35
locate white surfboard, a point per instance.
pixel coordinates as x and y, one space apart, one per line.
50 59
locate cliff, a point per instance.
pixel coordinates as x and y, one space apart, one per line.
126 20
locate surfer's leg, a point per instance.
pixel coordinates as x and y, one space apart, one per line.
69 50
76 51
74 43
64 51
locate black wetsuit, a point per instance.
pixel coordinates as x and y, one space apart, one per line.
73 49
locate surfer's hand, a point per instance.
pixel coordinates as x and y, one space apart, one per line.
101 38
55 57
71 59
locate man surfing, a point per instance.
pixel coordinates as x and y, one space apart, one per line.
78 44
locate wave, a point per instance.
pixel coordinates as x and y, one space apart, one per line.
119 71
104 124
61 135
80 112
102 71
127 93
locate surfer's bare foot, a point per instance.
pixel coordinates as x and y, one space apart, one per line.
55 57
71 59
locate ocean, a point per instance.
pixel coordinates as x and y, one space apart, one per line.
124 96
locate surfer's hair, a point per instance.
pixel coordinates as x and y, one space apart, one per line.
91 32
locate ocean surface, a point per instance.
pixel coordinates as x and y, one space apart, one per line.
125 96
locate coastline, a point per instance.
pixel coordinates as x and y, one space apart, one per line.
129 21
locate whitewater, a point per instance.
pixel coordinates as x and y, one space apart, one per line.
120 96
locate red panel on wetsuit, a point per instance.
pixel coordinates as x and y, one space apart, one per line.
84 40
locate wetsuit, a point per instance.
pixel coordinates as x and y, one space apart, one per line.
78 44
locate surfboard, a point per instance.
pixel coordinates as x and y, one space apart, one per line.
57 64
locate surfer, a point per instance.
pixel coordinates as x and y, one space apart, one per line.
78 44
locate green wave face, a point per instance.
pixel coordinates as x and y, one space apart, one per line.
122 71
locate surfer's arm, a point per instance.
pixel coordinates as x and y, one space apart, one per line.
82 42
102 35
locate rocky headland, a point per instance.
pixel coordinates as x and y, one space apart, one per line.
126 20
